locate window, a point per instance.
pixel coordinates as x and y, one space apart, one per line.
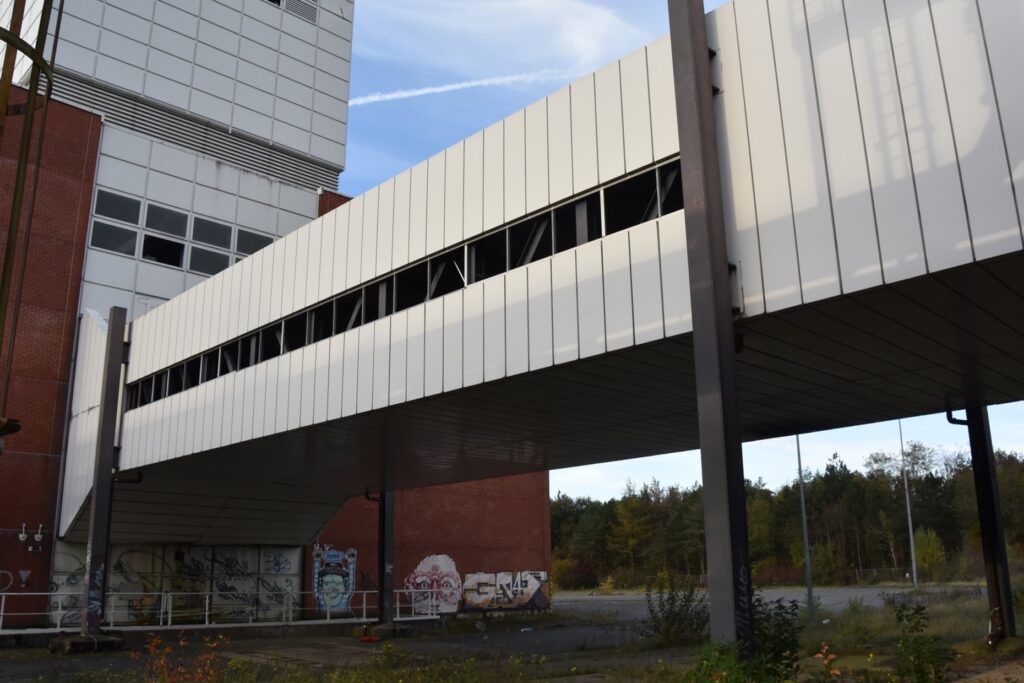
160 386
630 202
529 241
211 364
228 358
270 342
175 380
671 188
166 220
193 372
207 262
321 322
106 236
295 332
578 223
115 206
158 249
488 256
251 242
446 273
411 287
249 351
146 391
210 232
377 302
348 312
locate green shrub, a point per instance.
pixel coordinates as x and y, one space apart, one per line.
677 614
920 658
721 663
777 629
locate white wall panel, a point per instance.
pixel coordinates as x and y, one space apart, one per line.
266 285
453 361
560 145
739 214
618 296
991 206
350 375
517 341
611 154
400 241
515 165
494 175
339 267
454 179
947 241
335 386
354 255
277 288
300 274
272 397
398 351
251 302
385 226
675 274
664 126
805 156
590 291
415 359
494 328
418 212
565 333
284 394
473 189
368 259
636 111
322 380
538 282
433 363
314 248
325 278
259 392
885 137
435 202
584 134
219 424
537 196
645 271
367 334
247 401
473 334
381 362
308 391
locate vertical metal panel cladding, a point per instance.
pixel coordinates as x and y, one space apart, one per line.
515 165
284 396
812 208
584 133
664 126
517 332
473 190
309 370
325 279
565 318
368 259
299 274
947 242
494 328
418 212
853 209
618 292
321 381
399 352
675 274
739 215
780 268
335 386
473 335
354 253
385 226
259 406
270 407
636 111
314 247
364 401
454 184
977 129
494 175
350 374
416 355
381 361
276 290
433 352
342 217
885 137
611 154
560 145
400 242
453 361
266 285
645 272
1003 24
300 363
590 290
538 283
537 195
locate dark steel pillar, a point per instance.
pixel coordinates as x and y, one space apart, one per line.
725 513
98 549
993 541
386 550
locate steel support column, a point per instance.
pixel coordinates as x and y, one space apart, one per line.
725 513
386 551
993 541
98 549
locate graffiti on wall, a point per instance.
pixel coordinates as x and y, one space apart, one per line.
6 580
334 577
525 590
435 583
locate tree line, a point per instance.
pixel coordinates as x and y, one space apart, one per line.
857 523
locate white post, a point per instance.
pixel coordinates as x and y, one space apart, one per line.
206 608
807 542
3 607
906 493
170 609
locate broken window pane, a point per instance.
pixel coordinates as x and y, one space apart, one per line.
158 249
578 223
529 241
411 287
671 188
270 342
295 332
488 256
446 273
630 202
348 312
321 322
114 238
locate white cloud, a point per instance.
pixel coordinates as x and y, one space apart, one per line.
536 77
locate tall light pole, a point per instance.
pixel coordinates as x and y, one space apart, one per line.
906 493
807 543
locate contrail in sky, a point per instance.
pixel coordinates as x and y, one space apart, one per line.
536 77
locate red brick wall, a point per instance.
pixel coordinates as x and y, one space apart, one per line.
30 464
329 201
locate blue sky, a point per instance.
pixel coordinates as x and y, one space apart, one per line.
533 47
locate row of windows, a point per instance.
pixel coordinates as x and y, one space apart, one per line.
168 223
630 202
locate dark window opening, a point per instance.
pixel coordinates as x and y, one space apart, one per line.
210 366
295 332
270 342
411 287
251 242
131 395
228 358
163 251
210 232
578 223
166 220
488 257
671 181
175 380
249 351
106 236
446 274
377 301
348 312
115 206
160 386
630 202
207 262
193 372
529 241
321 322
146 391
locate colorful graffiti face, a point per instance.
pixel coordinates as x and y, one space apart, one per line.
334 574
439 580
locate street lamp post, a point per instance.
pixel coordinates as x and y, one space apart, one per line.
807 543
910 519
